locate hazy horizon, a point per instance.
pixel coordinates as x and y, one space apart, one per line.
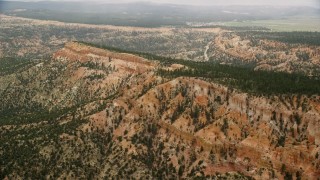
311 3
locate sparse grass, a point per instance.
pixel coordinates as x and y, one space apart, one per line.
291 24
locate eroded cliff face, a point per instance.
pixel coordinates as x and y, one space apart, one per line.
152 126
266 54
257 135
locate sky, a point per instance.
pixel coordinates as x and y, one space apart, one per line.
313 3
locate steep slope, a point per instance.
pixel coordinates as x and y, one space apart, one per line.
94 113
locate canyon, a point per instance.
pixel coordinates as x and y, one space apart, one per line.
112 114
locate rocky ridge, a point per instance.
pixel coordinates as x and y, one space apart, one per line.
152 126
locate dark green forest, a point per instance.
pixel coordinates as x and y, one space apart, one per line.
248 80
9 65
298 37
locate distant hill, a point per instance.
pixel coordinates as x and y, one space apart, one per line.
147 14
